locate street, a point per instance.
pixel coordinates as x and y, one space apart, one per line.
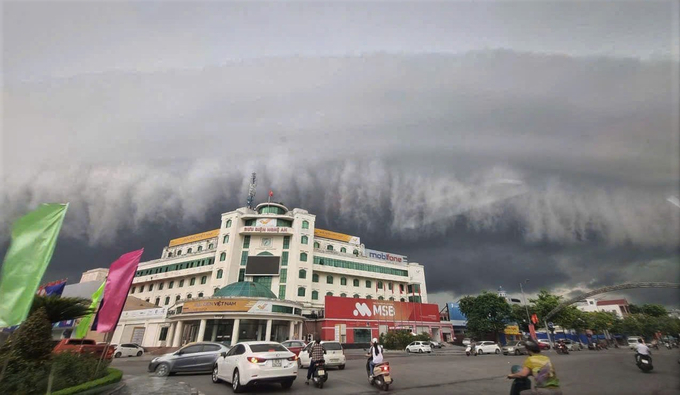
443 372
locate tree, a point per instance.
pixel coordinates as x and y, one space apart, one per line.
486 313
545 303
602 320
61 309
654 310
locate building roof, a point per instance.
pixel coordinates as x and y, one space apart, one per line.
246 289
133 303
617 302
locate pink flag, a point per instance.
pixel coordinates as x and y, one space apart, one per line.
117 286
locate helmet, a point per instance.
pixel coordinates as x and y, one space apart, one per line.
532 346
374 341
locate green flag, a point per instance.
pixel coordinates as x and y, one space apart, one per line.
86 322
34 237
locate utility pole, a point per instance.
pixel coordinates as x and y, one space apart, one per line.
526 307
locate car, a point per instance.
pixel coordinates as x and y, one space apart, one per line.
467 341
633 342
487 347
544 344
572 345
128 350
335 354
294 346
195 358
419 347
516 348
434 344
250 363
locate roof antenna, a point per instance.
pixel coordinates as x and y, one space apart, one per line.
251 190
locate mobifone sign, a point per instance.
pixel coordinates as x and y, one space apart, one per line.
386 256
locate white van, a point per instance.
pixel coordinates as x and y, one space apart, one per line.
633 342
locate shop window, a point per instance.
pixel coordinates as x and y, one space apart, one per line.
167 300
305 225
315 295
315 278
286 242
301 291
304 240
171 284
302 273
204 279
246 241
343 281
303 257
343 249
368 284
329 247
225 239
220 273
317 245
329 279
355 282
228 224
192 281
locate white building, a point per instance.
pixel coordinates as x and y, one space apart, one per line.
619 307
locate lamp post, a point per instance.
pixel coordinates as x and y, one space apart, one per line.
525 300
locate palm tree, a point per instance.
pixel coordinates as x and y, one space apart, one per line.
61 309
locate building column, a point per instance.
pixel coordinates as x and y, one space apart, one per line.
234 332
301 332
213 337
177 340
268 331
201 330
171 332
291 331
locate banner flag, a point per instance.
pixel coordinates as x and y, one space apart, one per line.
85 322
118 283
34 237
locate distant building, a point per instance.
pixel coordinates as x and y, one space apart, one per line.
620 307
98 275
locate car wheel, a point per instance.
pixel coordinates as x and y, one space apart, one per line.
287 384
163 370
480 352
236 382
139 353
117 355
215 379
420 350
498 351
341 367
517 352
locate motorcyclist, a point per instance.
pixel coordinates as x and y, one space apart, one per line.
541 368
376 356
642 349
316 354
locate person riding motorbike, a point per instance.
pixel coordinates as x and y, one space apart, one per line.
642 349
316 353
376 357
541 368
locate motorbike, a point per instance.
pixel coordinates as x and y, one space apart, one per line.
561 348
519 385
667 344
320 374
644 362
381 377
468 351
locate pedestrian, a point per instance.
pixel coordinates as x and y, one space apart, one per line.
316 353
539 366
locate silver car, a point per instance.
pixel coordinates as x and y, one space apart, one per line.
516 348
193 358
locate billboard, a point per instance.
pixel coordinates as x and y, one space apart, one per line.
455 316
220 305
192 238
379 310
385 256
263 266
327 234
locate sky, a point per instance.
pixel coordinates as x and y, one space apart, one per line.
493 142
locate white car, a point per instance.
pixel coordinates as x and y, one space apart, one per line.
485 347
633 342
250 363
334 355
128 350
419 347
466 341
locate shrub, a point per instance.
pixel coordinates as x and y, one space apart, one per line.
399 339
113 376
70 369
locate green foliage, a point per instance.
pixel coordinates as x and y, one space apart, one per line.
33 339
646 325
398 340
61 309
70 369
113 376
602 320
486 313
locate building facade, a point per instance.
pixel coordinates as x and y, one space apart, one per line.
619 307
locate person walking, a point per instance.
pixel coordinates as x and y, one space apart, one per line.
539 366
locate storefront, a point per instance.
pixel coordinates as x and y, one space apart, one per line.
350 320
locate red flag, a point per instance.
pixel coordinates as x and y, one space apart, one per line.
271 193
118 283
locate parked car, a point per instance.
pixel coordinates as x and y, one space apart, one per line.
419 347
486 347
128 350
544 344
84 346
195 357
516 348
467 341
250 363
434 344
334 355
633 342
294 346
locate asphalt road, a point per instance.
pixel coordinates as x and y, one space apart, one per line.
586 372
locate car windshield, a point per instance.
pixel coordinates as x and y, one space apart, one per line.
332 346
270 347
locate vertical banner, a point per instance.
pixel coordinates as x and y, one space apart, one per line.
34 237
118 283
85 322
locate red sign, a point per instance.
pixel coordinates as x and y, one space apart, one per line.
379 310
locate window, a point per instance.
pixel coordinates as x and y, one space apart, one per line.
181 283
158 301
343 249
380 285
317 245
200 248
303 257
305 225
225 239
356 296
329 247
150 287
282 292
215 290
286 242
343 281
355 252
368 283
355 282
210 246
359 266
381 298
315 295
223 256
329 279
171 284
179 252
228 224
390 286
304 240
264 280
200 294
329 293
141 289
244 258
204 279
188 296
392 298
282 223
132 290
241 275
192 281
160 286
250 222
315 278
301 291
283 276
246 241
169 254
302 273
167 300
343 295
284 258
401 288
177 298
369 297
402 300
220 273
189 251
164 333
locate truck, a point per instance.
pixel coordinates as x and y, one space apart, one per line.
84 346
